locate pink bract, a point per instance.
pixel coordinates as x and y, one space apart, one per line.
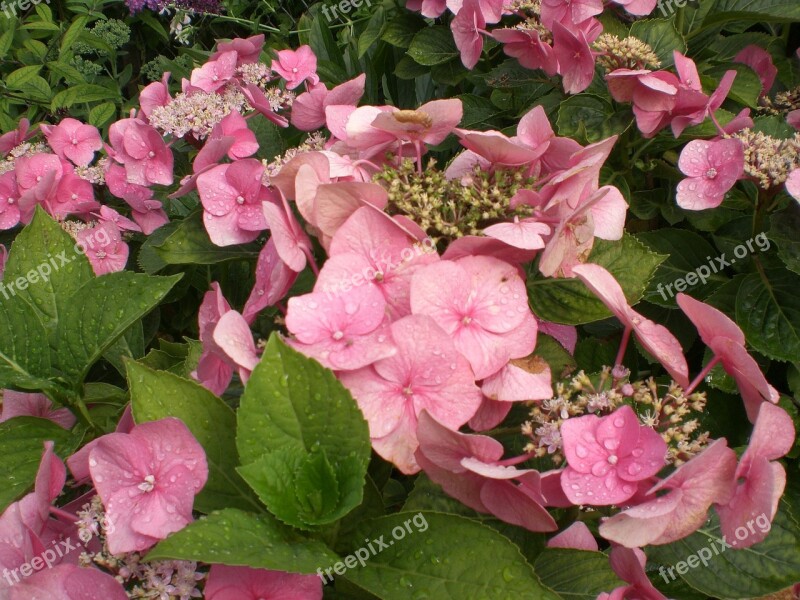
19 404
296 66
73 140
713 169
244 583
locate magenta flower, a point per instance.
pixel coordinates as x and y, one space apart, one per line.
12 139
470 469
214 370
73 140
760 61
760 478
232 195
248 50
485 309
233 336
574 56
274 279
19 404
628 564
68 582
528 48
244 583
577 536
607 456
655 338
308 109
467 27
346 332
713 168
295 66
426 373
106 251
793 182
216 73
569 12
244 140
678 505
727 342
147 480
638 7
9 201
142 151
38 177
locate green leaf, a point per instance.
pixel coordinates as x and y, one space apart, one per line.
21 448
66 71
44 254
768 311
37 89
441 556
16 79
576 574
401 30
373 32
100 312
24 351
190 244
762 569
662 36
752 10
570 302
157 394
688 253
73 33
85 92
292 410
102 114
746 87
433 46
783 231
324 44
238 538
479 113
557 357
588 118
6 39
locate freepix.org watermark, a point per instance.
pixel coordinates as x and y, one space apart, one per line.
343 8
8 289
715 548
373 547
11 8
702 273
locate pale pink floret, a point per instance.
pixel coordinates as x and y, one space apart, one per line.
638 7
713 168
295 66
38 177
607 456
528 48
467 27
232 195
244 144
143 152
73 140
727 342
214 370
147 480
569 12
760 478
106 251
308 109
371 248
215 73
154 95
426 373
345 332
12 139
793 182
682 507
513 383
628 564
248 50
233 336
244 583
20 404
577 536
123 223
526 233
468 467
68 582
274 279
430 124
10 213
575 58
485 309
291 241
656 339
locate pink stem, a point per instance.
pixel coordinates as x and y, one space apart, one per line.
510 462
702 375
311 261
623 346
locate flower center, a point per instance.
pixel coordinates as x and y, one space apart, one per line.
151 154
612 459
408 391
337 335
148 485
711 173
466 320
74 142
240 199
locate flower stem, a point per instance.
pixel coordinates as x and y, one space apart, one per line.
702 375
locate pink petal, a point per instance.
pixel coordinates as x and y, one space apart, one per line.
576 536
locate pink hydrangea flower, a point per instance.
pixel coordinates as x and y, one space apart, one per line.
528 48
244 583
470 468
244 140
10 213
760 478
147 480
713 168
233 336
727 342
154 95
678 505
520 380
141 149
215 73
274 279
577 536
291 241
760 61
467 27
485 309
569 12
68 582
123 223
296 66
655 338
20 404
106 251
628 564
248 50
526 233
638 7
346 332
308 109
575 58
73 140
38 177
232 195
426 373
12 139
214 370
607 456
